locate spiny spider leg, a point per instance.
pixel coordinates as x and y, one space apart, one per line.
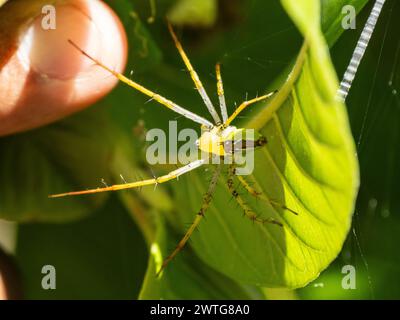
164 101
170 176
200 215
248 212
244 105
195 77
221 95
260 195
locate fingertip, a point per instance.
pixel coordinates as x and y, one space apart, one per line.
96 29
49 78
93 82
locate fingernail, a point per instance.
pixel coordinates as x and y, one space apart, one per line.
46 51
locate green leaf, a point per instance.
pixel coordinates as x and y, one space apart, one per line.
372 246
189 278
332 17
100 257
53 159
194 13
309 165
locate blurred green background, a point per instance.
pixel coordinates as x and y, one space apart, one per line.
255 41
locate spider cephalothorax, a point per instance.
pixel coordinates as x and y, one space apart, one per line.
224 141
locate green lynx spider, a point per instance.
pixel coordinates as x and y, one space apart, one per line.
212 141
